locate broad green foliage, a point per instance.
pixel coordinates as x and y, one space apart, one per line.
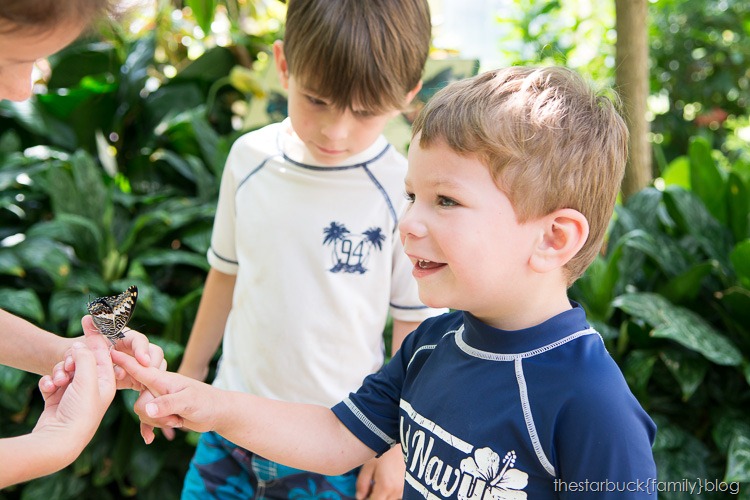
672 294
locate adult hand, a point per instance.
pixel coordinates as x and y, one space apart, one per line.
382 478
74 410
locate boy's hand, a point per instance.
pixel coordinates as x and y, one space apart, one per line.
179 401
382 478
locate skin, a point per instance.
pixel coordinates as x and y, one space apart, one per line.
459 219
331 135
454 205
20 50
72 412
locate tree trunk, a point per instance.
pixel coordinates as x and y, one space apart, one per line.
632 81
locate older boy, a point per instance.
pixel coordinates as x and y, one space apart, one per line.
512 178
305 258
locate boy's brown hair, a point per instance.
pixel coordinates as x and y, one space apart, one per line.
44 15
549 139
363 53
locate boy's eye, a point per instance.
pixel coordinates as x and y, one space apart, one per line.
444 201
316 101
410 197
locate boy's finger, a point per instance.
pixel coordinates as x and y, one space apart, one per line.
147 376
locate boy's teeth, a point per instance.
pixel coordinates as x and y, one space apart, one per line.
423 263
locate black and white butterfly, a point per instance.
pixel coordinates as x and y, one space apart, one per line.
111 314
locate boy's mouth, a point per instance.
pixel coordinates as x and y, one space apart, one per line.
428 264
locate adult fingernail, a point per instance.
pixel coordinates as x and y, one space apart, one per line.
151 409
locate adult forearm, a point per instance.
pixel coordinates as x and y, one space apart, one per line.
28 347
35 455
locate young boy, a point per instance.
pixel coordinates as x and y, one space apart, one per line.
73 409
305 258
512 179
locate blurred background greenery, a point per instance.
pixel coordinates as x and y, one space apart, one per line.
109 177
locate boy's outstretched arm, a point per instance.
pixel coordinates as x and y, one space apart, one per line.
304 436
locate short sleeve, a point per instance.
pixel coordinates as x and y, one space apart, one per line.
372 413
222 255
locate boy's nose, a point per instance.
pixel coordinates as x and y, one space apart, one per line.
412 224
16 85
336 127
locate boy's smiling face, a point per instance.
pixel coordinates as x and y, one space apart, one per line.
20 49
461 233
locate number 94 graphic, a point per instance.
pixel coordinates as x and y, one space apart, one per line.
351 251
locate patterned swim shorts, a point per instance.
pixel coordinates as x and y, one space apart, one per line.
222 470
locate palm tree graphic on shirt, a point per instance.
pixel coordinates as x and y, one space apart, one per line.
351 251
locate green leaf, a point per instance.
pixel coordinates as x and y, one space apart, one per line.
693 218
30 115
677 173
24 303
738 207
598 285
61 486
83 234
731 422
665 252
680 325
685 287
203 10
738 460
10 378
678 454
48 256
10 264
213 65
68 306
145 465
638 367
706 179
688 369
173 258
740 258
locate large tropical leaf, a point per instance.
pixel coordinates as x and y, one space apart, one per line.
680 325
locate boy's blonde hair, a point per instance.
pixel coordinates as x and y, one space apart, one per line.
549 140
37 16
363 53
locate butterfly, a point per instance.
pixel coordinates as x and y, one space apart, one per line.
111 314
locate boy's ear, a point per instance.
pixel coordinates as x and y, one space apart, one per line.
564 232
282 68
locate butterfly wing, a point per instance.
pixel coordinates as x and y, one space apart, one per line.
111 314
